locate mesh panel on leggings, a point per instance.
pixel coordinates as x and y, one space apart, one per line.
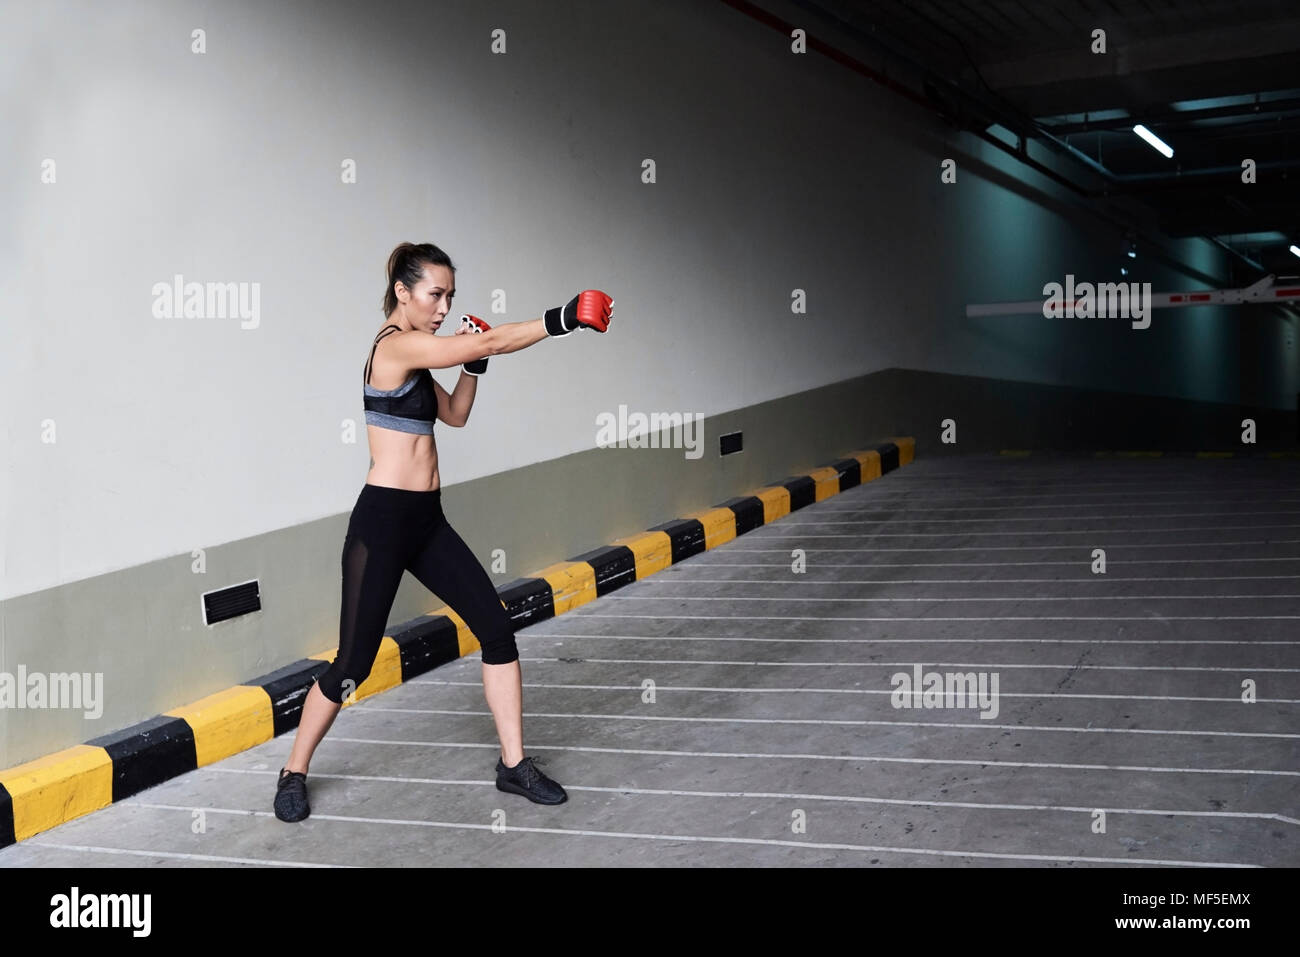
359 634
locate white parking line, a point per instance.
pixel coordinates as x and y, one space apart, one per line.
1126 546
795 796
874 504
1142 484
583 613
176 855
1095 579
1008 598
884 691
924 641
786 521
799 756
695 560
780 526
977 725
897 664
702 839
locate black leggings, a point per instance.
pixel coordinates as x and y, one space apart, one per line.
394 530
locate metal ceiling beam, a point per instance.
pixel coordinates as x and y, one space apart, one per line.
1102 299
1152 118
1206 177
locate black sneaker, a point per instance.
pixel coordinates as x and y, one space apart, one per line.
526 779
291 796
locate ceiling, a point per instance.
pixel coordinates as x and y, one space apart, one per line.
1217 80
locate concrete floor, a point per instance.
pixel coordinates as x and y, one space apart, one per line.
771 739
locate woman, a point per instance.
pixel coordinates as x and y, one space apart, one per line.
397 523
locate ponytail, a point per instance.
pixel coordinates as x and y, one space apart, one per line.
406 265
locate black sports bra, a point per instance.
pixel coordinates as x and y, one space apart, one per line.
411 407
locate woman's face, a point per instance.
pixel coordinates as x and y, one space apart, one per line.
431 299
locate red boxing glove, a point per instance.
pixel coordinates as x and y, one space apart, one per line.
473 324
590 308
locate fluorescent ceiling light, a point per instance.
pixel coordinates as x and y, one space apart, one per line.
1155 141
1295 250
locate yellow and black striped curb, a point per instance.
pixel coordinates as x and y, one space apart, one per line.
48 791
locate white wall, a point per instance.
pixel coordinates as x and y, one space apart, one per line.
774 172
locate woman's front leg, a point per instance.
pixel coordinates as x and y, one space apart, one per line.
503 687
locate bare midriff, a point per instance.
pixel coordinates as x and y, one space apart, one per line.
407 460
402 460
